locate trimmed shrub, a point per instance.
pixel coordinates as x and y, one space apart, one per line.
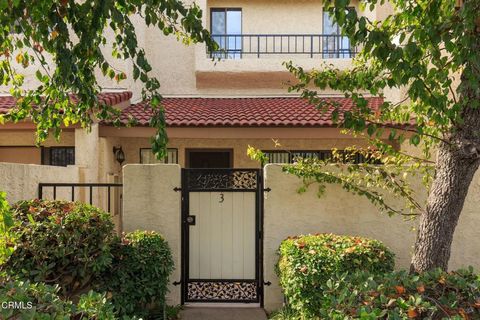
398 295
26 300
138 278
306 263
66 243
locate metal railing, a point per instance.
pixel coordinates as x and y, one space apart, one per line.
237 46
76 191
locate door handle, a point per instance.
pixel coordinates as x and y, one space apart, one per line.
190 220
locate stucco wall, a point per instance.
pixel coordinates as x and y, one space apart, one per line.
289 213
27 138
20 181
150 203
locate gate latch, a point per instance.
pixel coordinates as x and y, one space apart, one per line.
190 220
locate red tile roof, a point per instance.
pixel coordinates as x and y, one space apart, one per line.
241 112
108 98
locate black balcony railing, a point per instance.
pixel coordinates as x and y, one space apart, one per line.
237 46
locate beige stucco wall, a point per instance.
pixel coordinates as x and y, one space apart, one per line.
150 203
20 181
27 138
288 213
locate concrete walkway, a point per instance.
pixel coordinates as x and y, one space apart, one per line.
211 313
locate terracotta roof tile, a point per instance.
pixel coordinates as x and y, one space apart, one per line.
108 98
241 112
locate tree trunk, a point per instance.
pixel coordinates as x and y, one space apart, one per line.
445 203
458 159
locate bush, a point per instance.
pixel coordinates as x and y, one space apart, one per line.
398 295
307 262
139 274
66 243
26 300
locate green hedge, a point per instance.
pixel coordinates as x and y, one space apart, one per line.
306 264
139 274
67 243
397 295
25 300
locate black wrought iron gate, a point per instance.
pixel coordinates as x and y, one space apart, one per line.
221 235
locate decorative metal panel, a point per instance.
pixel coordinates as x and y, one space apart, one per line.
222 179
221 291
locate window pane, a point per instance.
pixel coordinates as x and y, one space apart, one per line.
234 22
218 22
334 45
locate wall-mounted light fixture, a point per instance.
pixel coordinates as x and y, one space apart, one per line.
119 154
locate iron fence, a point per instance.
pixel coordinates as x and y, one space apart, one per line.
237 46
76 191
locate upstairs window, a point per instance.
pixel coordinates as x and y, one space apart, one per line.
58 156
334 44
226 28
147 156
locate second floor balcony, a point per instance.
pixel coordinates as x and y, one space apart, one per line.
244 46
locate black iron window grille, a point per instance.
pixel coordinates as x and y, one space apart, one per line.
291 156
58 156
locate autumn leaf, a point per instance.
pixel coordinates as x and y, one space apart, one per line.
350 250
300 245
54 34
400 289
412 313
463 314
304 269
421 289
477 303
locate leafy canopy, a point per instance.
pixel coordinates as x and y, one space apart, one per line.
428 50
65 42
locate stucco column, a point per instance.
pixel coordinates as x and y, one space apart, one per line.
150 203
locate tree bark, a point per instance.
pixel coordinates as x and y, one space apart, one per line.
444 205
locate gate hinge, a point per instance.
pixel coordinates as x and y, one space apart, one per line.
267 283
176 189
267 190
177 283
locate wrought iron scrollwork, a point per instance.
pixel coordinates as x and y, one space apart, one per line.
236 179
222 291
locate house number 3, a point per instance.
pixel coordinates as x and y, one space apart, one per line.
222 198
